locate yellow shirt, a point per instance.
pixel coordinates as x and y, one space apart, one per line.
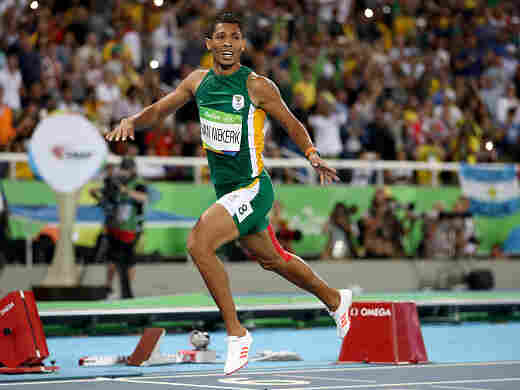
473 145
427 153
107 50
404 25
309 93
23 170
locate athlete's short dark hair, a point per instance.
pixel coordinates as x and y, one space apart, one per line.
225 17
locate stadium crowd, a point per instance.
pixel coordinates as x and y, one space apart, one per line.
371 79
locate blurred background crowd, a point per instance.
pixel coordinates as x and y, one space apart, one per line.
432 80
410 80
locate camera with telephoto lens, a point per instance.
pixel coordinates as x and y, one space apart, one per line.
110 192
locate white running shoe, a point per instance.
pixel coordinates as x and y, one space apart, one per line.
342 313
238 352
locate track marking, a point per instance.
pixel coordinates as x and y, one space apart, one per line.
38 382
324 378
390 385
263 382
459 388
339 368
218 387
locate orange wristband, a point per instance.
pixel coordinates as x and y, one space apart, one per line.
310 149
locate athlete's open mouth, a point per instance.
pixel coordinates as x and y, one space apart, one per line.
228 54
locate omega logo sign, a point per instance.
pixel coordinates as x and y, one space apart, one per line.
367 312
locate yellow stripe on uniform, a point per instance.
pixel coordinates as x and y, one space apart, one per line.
258 125
252 184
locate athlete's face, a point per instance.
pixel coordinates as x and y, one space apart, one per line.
226 44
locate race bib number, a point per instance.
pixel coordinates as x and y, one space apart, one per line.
220 131
243 211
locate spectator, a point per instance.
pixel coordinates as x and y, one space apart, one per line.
90 49
448 110
30 61
162 141
168 43
438 237
381 232
505 102
430 151
326 125
466 238
67 103
11 81
306 85
342 233
466 145
129 104
107 94
379 137
7 131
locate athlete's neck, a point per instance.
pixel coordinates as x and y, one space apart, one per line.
225 70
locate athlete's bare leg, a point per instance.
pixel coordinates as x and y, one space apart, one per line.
214 228
294 269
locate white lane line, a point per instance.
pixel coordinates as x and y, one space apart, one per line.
339 368
189 385
324 378
459 388
389 385
37 382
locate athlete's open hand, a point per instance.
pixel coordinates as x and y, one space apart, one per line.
327 174
124 130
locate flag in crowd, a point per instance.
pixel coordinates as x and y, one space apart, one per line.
493 191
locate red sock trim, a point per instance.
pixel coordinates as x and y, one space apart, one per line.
286 255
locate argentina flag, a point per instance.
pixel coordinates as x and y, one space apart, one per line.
493 191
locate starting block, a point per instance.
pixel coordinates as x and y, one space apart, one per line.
148 353
384 332
23 346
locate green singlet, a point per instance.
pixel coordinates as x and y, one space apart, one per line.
232 132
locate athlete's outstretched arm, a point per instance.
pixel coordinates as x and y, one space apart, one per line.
158 110
265 94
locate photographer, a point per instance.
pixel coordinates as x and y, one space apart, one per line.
381 231
342 233
449 234
123 199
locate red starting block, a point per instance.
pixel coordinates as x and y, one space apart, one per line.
23 346
384 332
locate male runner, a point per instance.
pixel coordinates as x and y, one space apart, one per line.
233 103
